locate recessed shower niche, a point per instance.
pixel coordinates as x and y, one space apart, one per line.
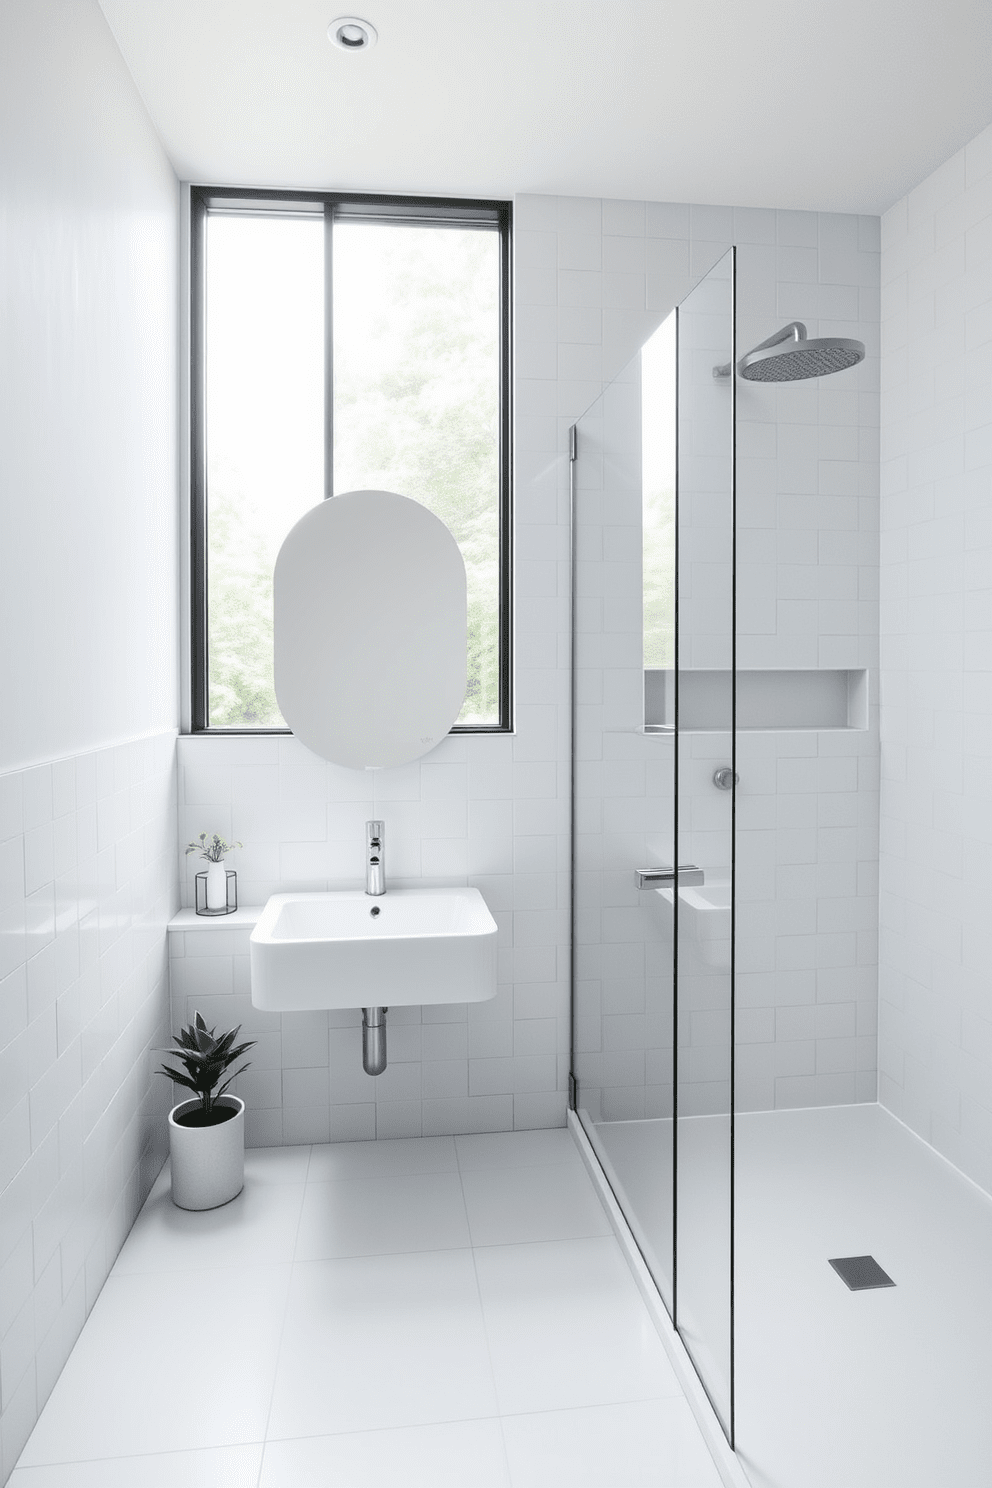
783 698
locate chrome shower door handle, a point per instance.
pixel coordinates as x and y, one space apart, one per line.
683 877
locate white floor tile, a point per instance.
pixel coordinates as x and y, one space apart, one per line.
385 1368
277 1164
213 1467
459 1454
640 1444
257 1228
523 1149
566 1327
165 1367
333 1160
510 1205
382 1341
382 1216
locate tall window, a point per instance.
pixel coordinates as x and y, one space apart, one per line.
343 343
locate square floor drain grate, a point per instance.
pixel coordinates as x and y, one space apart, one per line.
861 1273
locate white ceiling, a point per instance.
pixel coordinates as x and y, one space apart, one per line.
836 105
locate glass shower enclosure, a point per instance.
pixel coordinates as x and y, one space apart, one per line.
653 661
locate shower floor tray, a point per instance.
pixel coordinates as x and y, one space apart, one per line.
879 1388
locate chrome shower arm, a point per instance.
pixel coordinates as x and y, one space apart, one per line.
794 331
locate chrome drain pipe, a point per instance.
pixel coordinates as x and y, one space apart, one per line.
374 1040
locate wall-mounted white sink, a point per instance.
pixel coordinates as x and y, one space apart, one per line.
349 949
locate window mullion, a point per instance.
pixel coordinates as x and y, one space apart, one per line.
199 577
328 349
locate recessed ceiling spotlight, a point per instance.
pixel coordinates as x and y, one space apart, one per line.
352 34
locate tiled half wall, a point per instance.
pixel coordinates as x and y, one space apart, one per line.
87 888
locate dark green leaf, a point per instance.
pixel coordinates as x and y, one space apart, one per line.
177 1077
231 1080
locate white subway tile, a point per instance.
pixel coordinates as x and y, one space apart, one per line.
481 1113
579 250
623 218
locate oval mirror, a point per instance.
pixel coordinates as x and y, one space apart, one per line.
370 629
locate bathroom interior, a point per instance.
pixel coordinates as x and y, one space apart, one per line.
581 1229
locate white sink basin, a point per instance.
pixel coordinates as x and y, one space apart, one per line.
349 949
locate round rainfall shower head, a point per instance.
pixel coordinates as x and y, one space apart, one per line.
789 356
801 359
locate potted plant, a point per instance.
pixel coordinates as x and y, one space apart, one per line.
214 851
207 1132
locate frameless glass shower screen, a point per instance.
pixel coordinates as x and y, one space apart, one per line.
653 699
705 778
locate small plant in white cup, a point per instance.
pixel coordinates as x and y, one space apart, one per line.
214 850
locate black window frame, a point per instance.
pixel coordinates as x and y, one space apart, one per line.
341 206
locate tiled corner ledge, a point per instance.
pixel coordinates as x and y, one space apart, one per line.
243 918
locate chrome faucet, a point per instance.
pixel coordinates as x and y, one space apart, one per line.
375 858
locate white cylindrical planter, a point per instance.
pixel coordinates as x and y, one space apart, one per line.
208 1162
216 886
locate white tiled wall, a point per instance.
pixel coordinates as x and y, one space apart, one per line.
807 801
488 810
88 677
87 887
935 1051
89 245
807 566
593 278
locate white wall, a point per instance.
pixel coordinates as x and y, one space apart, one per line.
593 278
807 532
935 1035
807 597
88 240
488 810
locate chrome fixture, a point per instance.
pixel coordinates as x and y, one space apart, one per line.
374 1040
374 1018
352 34
725 779
771 361
375 857
686 876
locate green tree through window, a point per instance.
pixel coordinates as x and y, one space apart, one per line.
658 408
416 400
